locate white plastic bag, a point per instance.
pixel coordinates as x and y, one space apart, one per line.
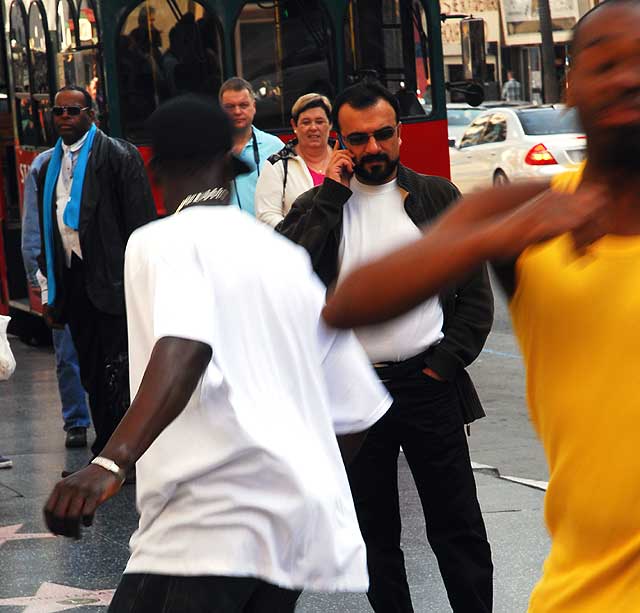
7 361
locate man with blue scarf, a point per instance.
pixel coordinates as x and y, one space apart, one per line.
94 193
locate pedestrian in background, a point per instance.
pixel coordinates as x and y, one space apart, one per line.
301 164
512 89
368 205
75 413
251 145
93 194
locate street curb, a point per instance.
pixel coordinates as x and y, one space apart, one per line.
494 472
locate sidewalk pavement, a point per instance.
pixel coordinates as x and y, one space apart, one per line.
43 574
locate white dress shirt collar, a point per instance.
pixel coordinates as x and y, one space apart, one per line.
75 147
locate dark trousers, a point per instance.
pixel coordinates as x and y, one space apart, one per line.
143 593
426 420
101 342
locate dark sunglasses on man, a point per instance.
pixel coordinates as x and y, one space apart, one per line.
72 111
356 139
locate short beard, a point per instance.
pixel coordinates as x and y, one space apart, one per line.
379 174
620 153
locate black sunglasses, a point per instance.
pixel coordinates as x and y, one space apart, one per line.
356 139
72 111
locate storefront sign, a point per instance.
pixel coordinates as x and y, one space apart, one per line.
522 26
484 9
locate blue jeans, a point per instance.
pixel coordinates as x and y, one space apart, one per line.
75 412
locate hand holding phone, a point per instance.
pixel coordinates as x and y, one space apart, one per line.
340 166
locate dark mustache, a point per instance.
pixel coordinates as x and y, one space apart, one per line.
374 157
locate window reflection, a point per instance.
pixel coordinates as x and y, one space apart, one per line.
81 64
87 24
285 50
474 132
65 26
38 50
387 40
40 77
18 44
164 53
24 111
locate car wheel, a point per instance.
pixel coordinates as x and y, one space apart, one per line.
499 178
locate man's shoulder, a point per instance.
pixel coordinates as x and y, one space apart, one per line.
268 140
116 146
41 158
40 162
413 180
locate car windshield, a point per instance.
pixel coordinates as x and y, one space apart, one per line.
462 117
549 121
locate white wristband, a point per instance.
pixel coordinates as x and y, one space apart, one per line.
109 465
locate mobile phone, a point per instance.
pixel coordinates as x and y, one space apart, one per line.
341 142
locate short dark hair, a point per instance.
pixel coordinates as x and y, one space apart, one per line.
236 84
364 95
189 133
598 7
88 101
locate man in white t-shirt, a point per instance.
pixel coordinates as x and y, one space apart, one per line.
369 205
240 391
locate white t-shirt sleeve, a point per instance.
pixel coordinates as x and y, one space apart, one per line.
357 399
174 281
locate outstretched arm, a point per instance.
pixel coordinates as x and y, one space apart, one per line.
164 392
492 225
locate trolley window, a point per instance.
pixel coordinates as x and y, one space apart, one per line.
284 49
88 24
79 61
65 26
165 49
24 112
18 42
41 78
387 40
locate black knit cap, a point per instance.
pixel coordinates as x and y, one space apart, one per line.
191 126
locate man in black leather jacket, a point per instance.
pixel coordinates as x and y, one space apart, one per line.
367 205
87 261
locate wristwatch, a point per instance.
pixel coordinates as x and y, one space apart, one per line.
109 465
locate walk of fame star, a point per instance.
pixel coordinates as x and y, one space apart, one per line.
53 597
10 533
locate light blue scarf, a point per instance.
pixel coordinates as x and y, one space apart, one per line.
71 215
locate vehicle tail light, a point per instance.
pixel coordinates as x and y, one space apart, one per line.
539 156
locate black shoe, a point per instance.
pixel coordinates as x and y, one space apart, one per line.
76 437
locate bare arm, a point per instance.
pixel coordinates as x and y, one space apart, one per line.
496 224
164 392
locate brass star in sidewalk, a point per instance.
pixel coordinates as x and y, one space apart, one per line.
53 597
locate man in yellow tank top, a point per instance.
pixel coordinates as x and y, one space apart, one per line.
575 304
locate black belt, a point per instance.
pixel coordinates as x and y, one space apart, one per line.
401 369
